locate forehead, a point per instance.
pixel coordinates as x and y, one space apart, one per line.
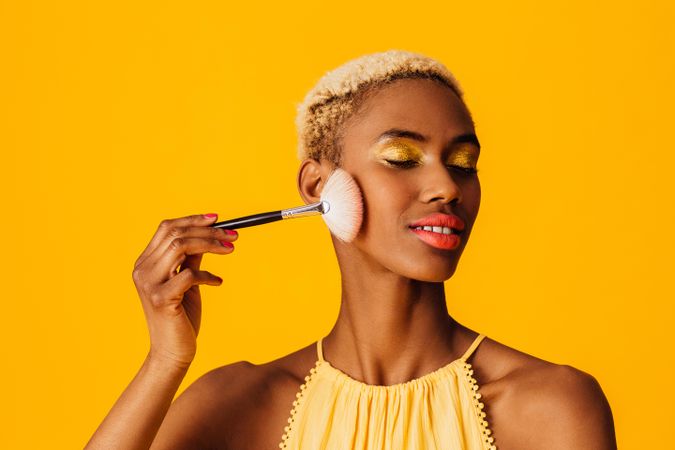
423 105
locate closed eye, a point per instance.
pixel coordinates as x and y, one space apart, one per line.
465 169
408 163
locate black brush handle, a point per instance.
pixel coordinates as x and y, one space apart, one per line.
249 221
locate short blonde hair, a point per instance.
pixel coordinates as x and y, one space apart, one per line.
340 92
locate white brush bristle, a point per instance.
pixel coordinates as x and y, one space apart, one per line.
346 205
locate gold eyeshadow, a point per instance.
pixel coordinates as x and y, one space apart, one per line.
465 156
398 151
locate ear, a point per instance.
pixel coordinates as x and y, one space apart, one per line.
312 176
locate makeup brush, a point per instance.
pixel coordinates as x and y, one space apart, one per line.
340 205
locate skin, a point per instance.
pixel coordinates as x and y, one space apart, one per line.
393 324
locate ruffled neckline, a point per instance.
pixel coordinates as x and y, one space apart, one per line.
456 363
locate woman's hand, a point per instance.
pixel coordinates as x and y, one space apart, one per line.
167 278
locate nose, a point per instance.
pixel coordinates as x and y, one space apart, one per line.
438 185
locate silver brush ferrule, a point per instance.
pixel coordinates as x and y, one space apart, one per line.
314 209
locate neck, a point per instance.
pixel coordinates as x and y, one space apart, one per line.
392 329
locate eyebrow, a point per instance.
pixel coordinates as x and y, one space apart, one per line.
470 138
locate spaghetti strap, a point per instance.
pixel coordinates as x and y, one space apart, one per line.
472 347
319 349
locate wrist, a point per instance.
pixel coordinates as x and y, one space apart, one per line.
164 361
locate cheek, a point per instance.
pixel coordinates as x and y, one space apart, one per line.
385 203
472 194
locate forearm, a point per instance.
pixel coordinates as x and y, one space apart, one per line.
135 418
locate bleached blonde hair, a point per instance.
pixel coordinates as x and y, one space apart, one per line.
340 93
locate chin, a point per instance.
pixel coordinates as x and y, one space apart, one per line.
435 274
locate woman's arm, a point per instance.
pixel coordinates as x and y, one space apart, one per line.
167 277
581 417
133 421
559 407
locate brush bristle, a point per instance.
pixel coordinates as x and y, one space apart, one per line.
346 205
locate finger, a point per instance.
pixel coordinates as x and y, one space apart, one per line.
180 248
206 232
172 290
190 262
167 224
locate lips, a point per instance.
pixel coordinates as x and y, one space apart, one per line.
440 220
438 240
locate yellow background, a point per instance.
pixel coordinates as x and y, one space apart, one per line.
116 115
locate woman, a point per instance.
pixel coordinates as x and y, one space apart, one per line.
396 371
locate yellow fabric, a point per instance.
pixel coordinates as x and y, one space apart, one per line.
440 410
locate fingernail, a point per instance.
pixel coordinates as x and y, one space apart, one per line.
231 232
210 215
219 279
227 244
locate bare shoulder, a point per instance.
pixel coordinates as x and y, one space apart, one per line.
236 406
533 403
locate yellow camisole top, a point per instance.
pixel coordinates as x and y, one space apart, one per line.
440 410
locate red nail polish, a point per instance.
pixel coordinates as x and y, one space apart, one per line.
231 232
210 215
227 244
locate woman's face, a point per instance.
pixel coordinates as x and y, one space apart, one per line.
412 148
